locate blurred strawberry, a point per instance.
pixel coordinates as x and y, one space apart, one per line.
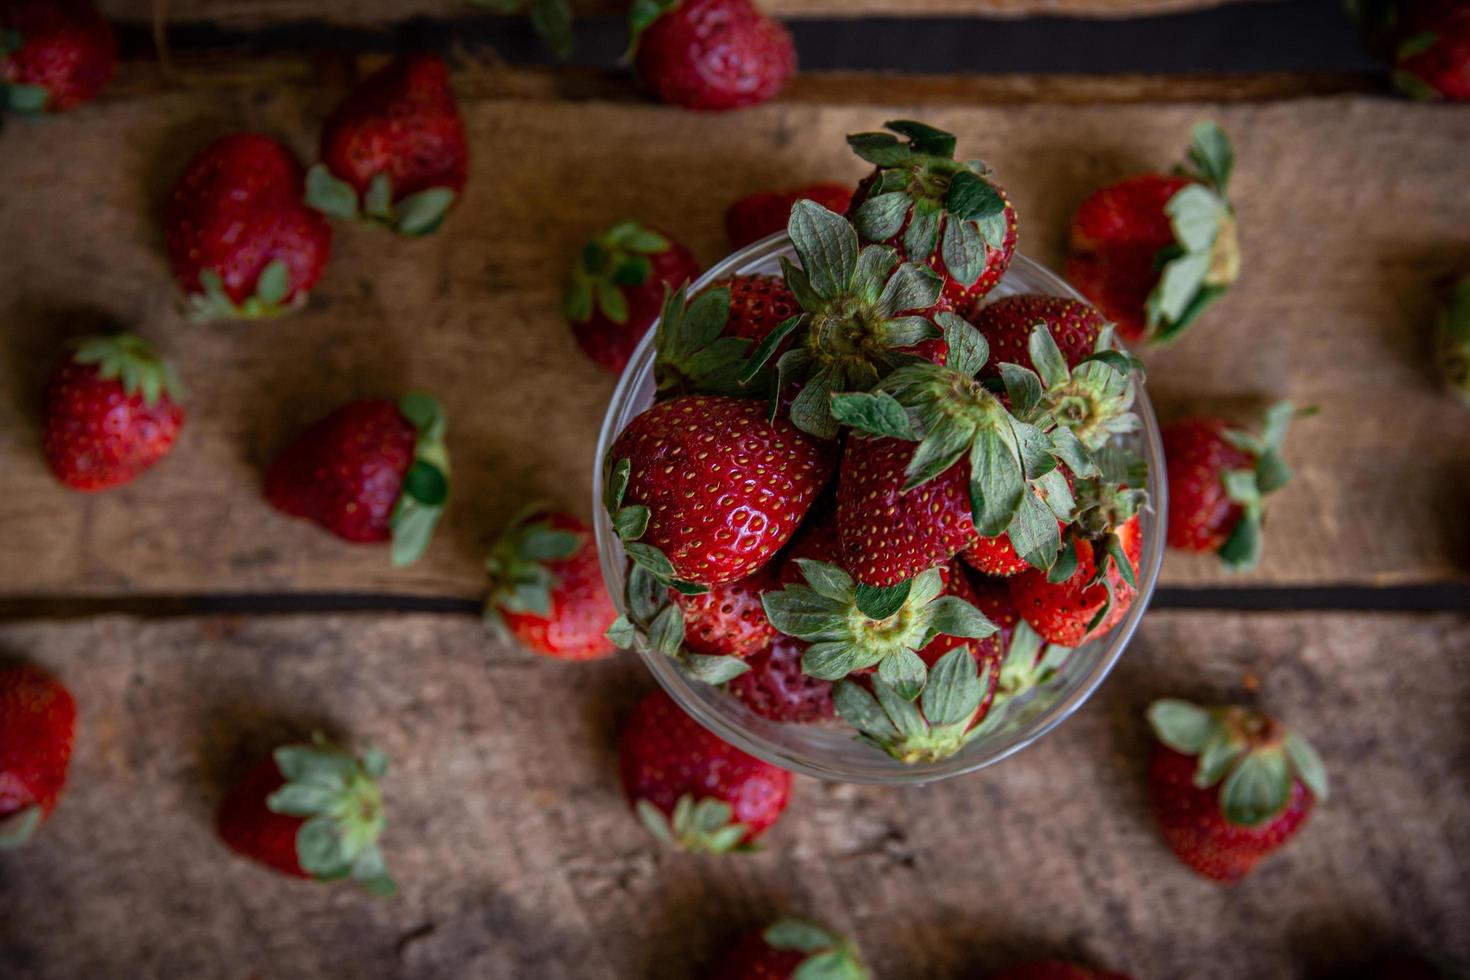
710 54
765 213
790 949
38 720
54 54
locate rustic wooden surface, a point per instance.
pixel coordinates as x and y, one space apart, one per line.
379 13
517 857
1332 309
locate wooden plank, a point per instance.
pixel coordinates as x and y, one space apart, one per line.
1332 310
380 13
517 857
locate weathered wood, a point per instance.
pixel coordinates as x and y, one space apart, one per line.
1332 310
381 13
517 857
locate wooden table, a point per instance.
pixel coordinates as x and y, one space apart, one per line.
516 855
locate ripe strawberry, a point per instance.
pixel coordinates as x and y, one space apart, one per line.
713 490
1053 970
110 412
1427 42
1218 477
394 152
728 621
546 587
1082 606
758 305
710 54
790 949
765 213
690 788
54 54
776 687
312 811
370 471
1154 251
949 214
1452 341
38 721
1229 785
242 242
617 289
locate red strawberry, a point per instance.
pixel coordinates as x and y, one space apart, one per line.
312 811
790 949
54 54
394 152
728 621
38 720
1154 251
546 587
1078 609
994 556
617 289
1229 785
765 213
1007 325
776 687
949 214
110 412
758 305
1428 42
242 242
713 490
1218 477
710 54
371 471
692 789
1053 970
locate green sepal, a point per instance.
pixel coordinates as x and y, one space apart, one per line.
422 213
622 633
692 353
28 100
132 361
272 287
338 795
616 258
425 490
705 826
520 579
331 195
828 957
17 828
1242 547
934 727
712 669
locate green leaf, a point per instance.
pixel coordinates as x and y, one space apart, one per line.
541 542
426 484
1257 789
768 346
964 251
1023 388
953 693
1181 281
827 245
611 301
1216 759
1242 549
1047 356
273 283
1169 330
319 849
19 826
903 713
650 558
1195 215
422 213
860 710
832 661
1114 548
1212 155
876 413
905 672
666 632
425 414
972 197
26 99
996 485
630 522
1034 533
378 201
552 20
879 149
621 633
953 616
923 137
413 526
881 216
329 195
303 799
911 287
654 820
616 484
922 233
1065 565
794 934
1182 726
635 270
803 613
878 603
968 348
1308 765
713 669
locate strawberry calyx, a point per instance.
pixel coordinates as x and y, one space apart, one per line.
705 826
614 259
946 204
652 623
1105 500
520 579
415 215
133 362
19 826
1252 757
337 793
851 627
1093 400
693 354
1016 485
425 485
828 957
550 19
1204 259
1452 341
856 317
272 287
935 726
1248 488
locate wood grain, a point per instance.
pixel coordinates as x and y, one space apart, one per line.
1352 210
517 857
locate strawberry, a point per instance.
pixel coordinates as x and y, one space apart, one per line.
54 54
1427 42
1218 477
1229 785
38 720
949 214
765 213
776 687
312 811
241 241
1452 341
692 789
617 289
709 54
371 471
1053 970
758 305
1154 251
713 489
110 412
394 152
1092 599
728 621
790 949
546 587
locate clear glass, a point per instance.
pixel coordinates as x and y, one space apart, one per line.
829 751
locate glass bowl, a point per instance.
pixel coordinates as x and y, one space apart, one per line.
829 751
